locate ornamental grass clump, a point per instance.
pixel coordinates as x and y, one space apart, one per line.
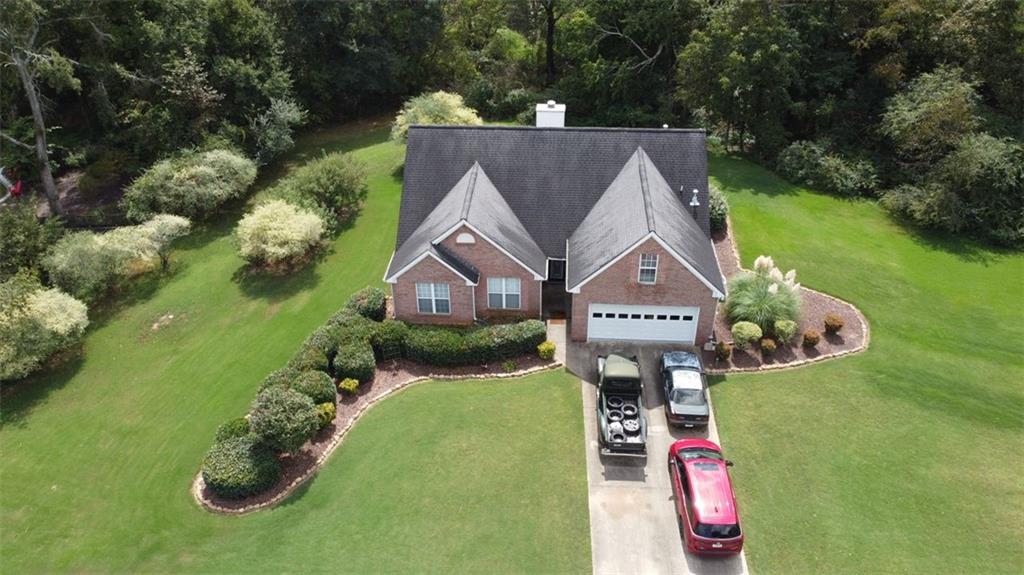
763 296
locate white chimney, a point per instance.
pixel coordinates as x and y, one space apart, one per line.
550 115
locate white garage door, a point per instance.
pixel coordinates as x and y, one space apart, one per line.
642 323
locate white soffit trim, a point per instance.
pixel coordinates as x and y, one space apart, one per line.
461 223
391 259
421 257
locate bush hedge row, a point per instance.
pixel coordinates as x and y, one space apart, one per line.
240 466
451 347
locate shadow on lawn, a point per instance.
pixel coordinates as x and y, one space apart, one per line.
274 288
964 248
21 397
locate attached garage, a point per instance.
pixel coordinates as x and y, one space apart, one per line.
642 323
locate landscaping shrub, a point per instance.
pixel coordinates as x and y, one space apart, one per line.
389 334
240 466
278 232
310 358
718 209
282 377
82 265
811 338
349 386
449 347
369 302
509 366
332 186
315 385
811 164
723 351
744 333
283 418
546 350
434 346
763 296
272 129
833 323
325 413
785 329
433 108
237 427
355 360
191 184
25 238
767 346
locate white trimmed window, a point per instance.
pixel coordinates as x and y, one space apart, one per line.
433 298
503 293
648 268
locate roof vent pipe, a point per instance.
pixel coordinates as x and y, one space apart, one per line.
550 115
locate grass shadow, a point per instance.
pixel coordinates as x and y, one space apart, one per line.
967 249
274 288
741 175
21 397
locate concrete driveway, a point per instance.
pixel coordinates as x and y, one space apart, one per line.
633 527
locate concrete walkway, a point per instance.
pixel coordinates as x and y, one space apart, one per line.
633 527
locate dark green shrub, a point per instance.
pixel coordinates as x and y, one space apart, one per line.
448 347
509 366
310 358
315 385
389 334
768 346
546 350
369 302
434 346
237 427
349 386
25 239
811 338
351 327
283 418
282 377
718 209
811 164
833 323
355 360
333 185
723 351
240 466
325 413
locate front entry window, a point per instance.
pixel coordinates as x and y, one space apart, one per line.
503 293
433 298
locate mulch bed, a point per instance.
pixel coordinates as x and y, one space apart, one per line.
853 337
390 375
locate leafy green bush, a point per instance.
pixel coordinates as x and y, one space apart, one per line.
718 209
785 329
283 418
448 347
272 128
25 238
355 360
811 164
508 366
833 323
744 333
239 467
349 386
763 296
277 232
811 338
546 350
369 302
389 334
315 385
433 108
332 186
282 377
81 264
191 184
768 346
723 351
435 346
310 359
232 428
325 413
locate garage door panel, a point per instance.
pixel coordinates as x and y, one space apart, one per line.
642 323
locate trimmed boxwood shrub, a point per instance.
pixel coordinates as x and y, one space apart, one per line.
445 346
785 329
325 413
355 360
435 346
349 386
744 333
310 358
546 350
389 333
315 385
282 377
240 466
369 302
237 427
283 418
325 338
811 338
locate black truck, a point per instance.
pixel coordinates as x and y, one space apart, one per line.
621 426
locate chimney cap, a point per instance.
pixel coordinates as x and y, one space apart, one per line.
551 103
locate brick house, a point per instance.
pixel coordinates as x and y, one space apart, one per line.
583 223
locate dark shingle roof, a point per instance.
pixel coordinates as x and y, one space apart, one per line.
550 177
639 201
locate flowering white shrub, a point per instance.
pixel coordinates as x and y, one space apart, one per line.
34 324
276 232
190 184
433 108
59 313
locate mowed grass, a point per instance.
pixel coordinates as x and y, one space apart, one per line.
97 457
907 458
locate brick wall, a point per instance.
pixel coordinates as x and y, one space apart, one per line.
618 284
493 263
431 271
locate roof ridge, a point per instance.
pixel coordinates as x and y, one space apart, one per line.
470 188
645 192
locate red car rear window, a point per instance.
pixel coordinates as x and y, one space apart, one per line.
712 531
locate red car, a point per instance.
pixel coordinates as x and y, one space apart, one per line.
706 506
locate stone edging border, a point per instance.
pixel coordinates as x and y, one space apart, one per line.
198 485
865 326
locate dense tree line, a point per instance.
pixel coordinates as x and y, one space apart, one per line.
918 102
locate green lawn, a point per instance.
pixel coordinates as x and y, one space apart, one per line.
97 457
904 459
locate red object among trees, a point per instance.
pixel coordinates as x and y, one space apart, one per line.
16 189
706 507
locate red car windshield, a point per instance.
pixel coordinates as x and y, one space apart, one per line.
712 531
699 453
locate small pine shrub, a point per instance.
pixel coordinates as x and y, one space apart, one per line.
744 333
546 350
723 351
239 467
369 302
315 385
349 386
767 346
833 323
811 338
237 427
355 360
325 413
785 329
